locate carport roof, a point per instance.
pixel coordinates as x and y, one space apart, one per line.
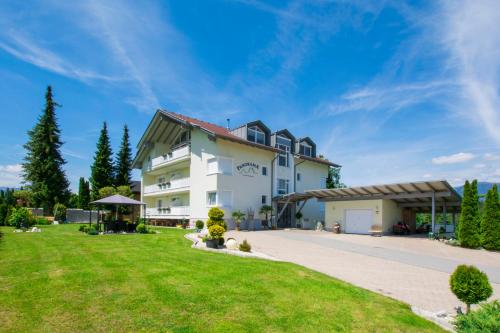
412 194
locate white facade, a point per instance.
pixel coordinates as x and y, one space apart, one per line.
189 166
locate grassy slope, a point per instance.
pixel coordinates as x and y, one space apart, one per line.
63 280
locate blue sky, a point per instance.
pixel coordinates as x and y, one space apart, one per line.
392 91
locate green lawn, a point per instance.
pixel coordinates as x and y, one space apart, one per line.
62 280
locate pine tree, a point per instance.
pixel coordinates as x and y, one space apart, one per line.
490 222
43 163
468 233
123 167
102 168
83 194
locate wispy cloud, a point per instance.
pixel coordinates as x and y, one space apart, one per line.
28 50
10 175
469 33
453 159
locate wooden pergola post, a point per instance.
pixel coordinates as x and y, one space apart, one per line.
433 212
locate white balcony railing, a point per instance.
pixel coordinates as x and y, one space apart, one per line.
176 211
169 186
176 154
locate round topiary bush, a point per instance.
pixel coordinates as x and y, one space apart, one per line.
470 285
141 228
216 232
199 224
216 217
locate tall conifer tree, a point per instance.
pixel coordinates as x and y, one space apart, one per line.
468 233
490 222
83 194
102 168
43 163
124 161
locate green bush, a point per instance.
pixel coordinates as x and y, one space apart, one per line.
245 246
21 218
490 222
199 224
41 221
4 212
92 231
83 228
60 212
216 232
486 319
216 214
141 228
470 285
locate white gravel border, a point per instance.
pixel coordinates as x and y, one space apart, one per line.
198 244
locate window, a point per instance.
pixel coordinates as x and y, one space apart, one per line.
225 166
283 159
298 176
264 171
182 138
220 165
225 199
211 198
159 204
305 149
282 186
264 199
256 135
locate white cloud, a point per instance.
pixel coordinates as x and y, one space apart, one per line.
468 31
452 159
491 157
10 175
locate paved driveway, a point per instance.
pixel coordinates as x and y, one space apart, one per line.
413 270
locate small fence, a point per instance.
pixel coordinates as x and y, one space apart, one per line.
80 215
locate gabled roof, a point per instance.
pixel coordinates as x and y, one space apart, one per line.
308 139
259 124
287 134
216 130
318 160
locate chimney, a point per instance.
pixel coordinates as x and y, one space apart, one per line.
228 122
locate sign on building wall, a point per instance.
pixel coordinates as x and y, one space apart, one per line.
248 169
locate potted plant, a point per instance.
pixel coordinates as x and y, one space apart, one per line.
215 234
238 216
185 223
298 217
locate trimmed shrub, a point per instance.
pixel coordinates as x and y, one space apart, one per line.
216 217
486 319
216 232
199 224
41 221
469 224
470 285
21 218
83 228
245 246
490 222
141 228
60 212
92 231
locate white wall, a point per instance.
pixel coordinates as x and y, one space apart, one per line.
310 179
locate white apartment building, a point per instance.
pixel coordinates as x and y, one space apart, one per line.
189 166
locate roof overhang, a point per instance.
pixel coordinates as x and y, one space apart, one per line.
292 197
406 195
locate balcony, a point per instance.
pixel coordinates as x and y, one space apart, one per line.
172 186
176 155
168 212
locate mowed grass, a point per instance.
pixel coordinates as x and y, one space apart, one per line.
63 280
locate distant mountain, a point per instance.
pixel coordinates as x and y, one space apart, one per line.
482 188
3 188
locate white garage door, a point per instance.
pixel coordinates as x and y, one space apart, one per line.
358 221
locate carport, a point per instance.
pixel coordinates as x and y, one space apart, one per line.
387 204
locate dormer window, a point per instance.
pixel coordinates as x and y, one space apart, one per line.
255 134
305 149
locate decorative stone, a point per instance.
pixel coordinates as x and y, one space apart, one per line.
231 244
35 229
56 222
